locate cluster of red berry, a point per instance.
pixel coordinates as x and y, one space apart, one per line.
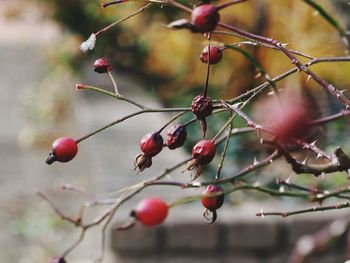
290 122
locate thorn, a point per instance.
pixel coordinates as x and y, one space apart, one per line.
261 140
319 156
323 175
305 161
288 180
313 143
262 212
285 44
257 75
281 189
256 184
271 161
308 78
255 161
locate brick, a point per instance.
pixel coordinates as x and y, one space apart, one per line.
252 235
137 240
193 237
240 259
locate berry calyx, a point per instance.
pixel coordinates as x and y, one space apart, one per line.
102 65
176 136
215 55
205 18
151 144
151 211
58 260
203 152
202 107
63 150
212 197
142 161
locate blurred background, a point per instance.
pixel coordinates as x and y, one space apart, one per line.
40 62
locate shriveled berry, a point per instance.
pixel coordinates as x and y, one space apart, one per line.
63 150
58 260
203 152
212 197
151 144
151 211
202 107
215 55
102 65
176 136
205 18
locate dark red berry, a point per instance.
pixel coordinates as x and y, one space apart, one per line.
151 211
205 18
202 107
215 55
151 144
58 260
176 136
102 65
63 150
203 152
212 197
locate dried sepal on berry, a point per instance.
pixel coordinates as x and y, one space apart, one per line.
142 162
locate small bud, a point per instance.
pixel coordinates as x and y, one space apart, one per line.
102 65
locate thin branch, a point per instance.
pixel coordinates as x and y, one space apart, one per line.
304 211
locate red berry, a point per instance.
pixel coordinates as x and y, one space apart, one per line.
151 144
215 55
202 107
205 18
58 260
151 211
63 150
291 122
203 152
176 136
102 65
212 197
